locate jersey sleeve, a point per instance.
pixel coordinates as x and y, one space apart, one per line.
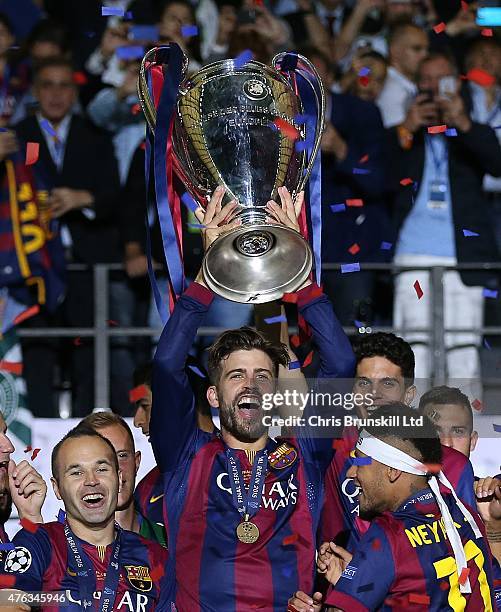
459 472
173 426
29 559
367 579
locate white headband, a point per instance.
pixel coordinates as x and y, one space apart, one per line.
395 458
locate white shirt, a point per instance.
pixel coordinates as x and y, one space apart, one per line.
396 97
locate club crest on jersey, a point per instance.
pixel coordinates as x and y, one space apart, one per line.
139 577
282 457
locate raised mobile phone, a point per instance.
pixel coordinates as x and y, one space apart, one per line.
447 87
488 16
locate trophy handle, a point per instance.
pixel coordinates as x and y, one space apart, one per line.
309 73
157 56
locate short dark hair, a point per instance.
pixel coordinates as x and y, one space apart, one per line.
393 348
104 418
7 23
80 431
52 62
399 28
493 43
375 56
142 374
435 55
243 339
446 395
47 30
424 438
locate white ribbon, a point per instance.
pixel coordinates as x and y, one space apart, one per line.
393 457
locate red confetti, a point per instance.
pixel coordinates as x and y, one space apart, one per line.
290 539
77 341
487 32
440 27
295 341
406 181
286 128
32 151
26 314
477 404
7 582
436 129
354 249
463 576
113 323
308 359
79 78
418 290
12 367
289 298
356 202
142 146
28 525
376 544
138 393
480 77
35 453
418 598
28 449
363 80
135 109
364 159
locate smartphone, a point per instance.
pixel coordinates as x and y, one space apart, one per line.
447 87
246 16
489 16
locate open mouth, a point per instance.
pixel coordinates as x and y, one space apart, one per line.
4 467
93 500
248 406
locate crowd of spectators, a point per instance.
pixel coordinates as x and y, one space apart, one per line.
391 70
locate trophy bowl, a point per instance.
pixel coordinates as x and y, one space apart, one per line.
225 133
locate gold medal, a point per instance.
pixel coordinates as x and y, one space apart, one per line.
247 532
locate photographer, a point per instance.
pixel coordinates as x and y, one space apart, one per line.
433 213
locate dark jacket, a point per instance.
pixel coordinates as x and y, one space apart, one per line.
471 155
89 164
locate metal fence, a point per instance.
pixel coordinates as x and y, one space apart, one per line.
101 332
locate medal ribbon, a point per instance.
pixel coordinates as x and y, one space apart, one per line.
247 502
85 572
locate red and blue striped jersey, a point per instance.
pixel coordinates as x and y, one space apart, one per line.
40 562
405 562
340 521
148 496
208 567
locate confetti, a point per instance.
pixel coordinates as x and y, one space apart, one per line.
364 71
477 404
437 129
295 341
286 128
242 59
35 453
362 461
487 345
129 52
197 371
490 293
335 208
26 314
113 323
418 290
189 202
7 546
486 32
360 171
355 202
47 127
144 32
406 181
351 267
294 365
28 525
28 449
363 159
189 30
79 78
440 27
358 324
7 582
386 246
468 233
12 367
32 151
451 132
497 428
77 341
138 393
308 359
288 540
360 219
417 598
278 319
480 77
354 249
463 576
108 11
61 516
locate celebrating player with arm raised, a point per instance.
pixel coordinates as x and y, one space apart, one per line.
242 508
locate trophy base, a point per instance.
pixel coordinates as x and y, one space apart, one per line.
257 264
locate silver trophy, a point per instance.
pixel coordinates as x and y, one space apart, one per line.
225 133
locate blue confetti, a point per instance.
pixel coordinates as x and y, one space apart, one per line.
7 546
486 344
189 202
362 461
197 371
358 323
47 127
61 516
490 293
242 59
468 233
365 71
189 30
361 171
386 246
130 52
451 132
497 428
278 319
294 365
351 267
107 11
335 208
144 32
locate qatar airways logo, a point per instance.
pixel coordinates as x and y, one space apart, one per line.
351 491
130 601
276 495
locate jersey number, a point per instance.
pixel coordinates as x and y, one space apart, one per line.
446 568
